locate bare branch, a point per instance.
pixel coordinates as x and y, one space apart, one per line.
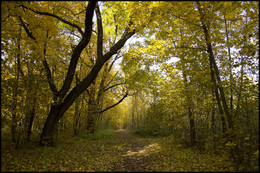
115 29
116 58
48 71
85 83
114 104
45 63
112 86
183 47
111 80
57 17
185 20
113 50
27 30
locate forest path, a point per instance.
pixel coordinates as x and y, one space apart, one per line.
139 154
109 151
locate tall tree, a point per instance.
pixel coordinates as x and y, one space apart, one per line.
64 98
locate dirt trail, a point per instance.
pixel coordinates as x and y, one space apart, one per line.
138 155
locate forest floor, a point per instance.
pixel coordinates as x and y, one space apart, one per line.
117 152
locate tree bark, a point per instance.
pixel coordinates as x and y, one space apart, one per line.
30 105
133 121
230 68
212 60
188 102
192 128
91 108
14 111
15 88
191 118
215 88
50 127
77 112
31 116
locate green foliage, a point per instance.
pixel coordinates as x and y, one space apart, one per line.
103 134
144 133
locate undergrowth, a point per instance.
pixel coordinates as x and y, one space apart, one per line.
148 133
102 134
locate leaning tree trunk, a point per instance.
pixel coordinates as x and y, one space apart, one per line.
215 88
50 127
216 71
63 99
231 136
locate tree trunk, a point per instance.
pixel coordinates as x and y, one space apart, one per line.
212 60
94 104
91 108
58 109
76 119
188 102
191 118
91 118
133 124
92 115
30 115
77 112
91 123
230 68
50 127
14 120
30 104
192 128
215 88
15 89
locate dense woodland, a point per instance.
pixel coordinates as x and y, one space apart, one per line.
185 72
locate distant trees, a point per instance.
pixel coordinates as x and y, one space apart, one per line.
209 41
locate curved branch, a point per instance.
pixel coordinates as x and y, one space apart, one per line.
126 35
84 84
112 86
45 63
48 71
113 104
57 17
111 79
78 49
116 58
27 30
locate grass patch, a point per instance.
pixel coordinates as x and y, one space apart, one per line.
148 133
103 134
89 153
